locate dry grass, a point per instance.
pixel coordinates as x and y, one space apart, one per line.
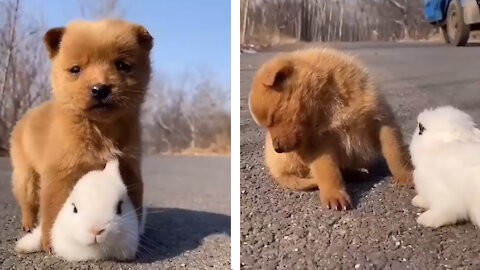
221 147
266 39
211 151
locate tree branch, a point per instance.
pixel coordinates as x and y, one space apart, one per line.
398 5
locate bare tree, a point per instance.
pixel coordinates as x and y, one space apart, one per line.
97 9
9 44
270 21
244 24
403 21
189 112
23 66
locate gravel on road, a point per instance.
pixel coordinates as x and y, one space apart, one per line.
284 229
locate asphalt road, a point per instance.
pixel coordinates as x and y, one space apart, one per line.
188 225
283 229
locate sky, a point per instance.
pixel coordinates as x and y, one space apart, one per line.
189 35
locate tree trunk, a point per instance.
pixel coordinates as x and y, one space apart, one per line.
341 21
245 14
404 21
9 56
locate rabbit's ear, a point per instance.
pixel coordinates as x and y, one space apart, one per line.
112 168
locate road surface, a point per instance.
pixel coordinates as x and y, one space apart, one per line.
188 225
282 229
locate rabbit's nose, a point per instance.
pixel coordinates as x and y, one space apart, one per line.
97 232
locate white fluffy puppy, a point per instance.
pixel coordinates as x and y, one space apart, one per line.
445 151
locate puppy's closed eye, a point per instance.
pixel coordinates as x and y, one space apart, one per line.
421 129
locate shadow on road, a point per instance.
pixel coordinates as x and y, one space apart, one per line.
172 231
360 183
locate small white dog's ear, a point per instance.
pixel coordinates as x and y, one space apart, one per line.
112 168
476 131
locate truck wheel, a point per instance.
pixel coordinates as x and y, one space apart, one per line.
457 30
443 29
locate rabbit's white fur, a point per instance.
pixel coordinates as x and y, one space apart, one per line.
446 157
95 197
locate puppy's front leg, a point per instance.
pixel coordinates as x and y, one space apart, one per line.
25 190
52 197
395 154
132 177
326 171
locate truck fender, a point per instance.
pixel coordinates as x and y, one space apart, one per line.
471 11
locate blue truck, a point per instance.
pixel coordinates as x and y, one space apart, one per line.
456 18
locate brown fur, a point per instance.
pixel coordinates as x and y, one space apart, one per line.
56 143
323 114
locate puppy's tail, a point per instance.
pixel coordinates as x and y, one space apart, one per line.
297 183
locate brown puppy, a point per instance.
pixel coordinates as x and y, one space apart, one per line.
323 114
100 72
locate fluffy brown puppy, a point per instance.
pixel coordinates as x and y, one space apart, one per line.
323 114
100 72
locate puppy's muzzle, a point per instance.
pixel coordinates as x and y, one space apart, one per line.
282 146
287 141
278 149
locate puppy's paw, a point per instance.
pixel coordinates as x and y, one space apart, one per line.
28 224
419 201
46 245
336 199
432 219
405 178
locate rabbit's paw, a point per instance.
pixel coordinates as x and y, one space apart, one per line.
419 201
433 219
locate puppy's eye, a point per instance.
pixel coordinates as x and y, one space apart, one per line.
75 210
122 66
421 129
75 69
119 207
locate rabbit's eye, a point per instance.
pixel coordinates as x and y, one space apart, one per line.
119 207
75 210
421 129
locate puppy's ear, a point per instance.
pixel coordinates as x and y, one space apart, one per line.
144 38
277 72
52 40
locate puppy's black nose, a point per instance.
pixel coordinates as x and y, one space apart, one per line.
278 149
276 145
101 91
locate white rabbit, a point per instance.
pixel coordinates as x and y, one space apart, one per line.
98 221
445 152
